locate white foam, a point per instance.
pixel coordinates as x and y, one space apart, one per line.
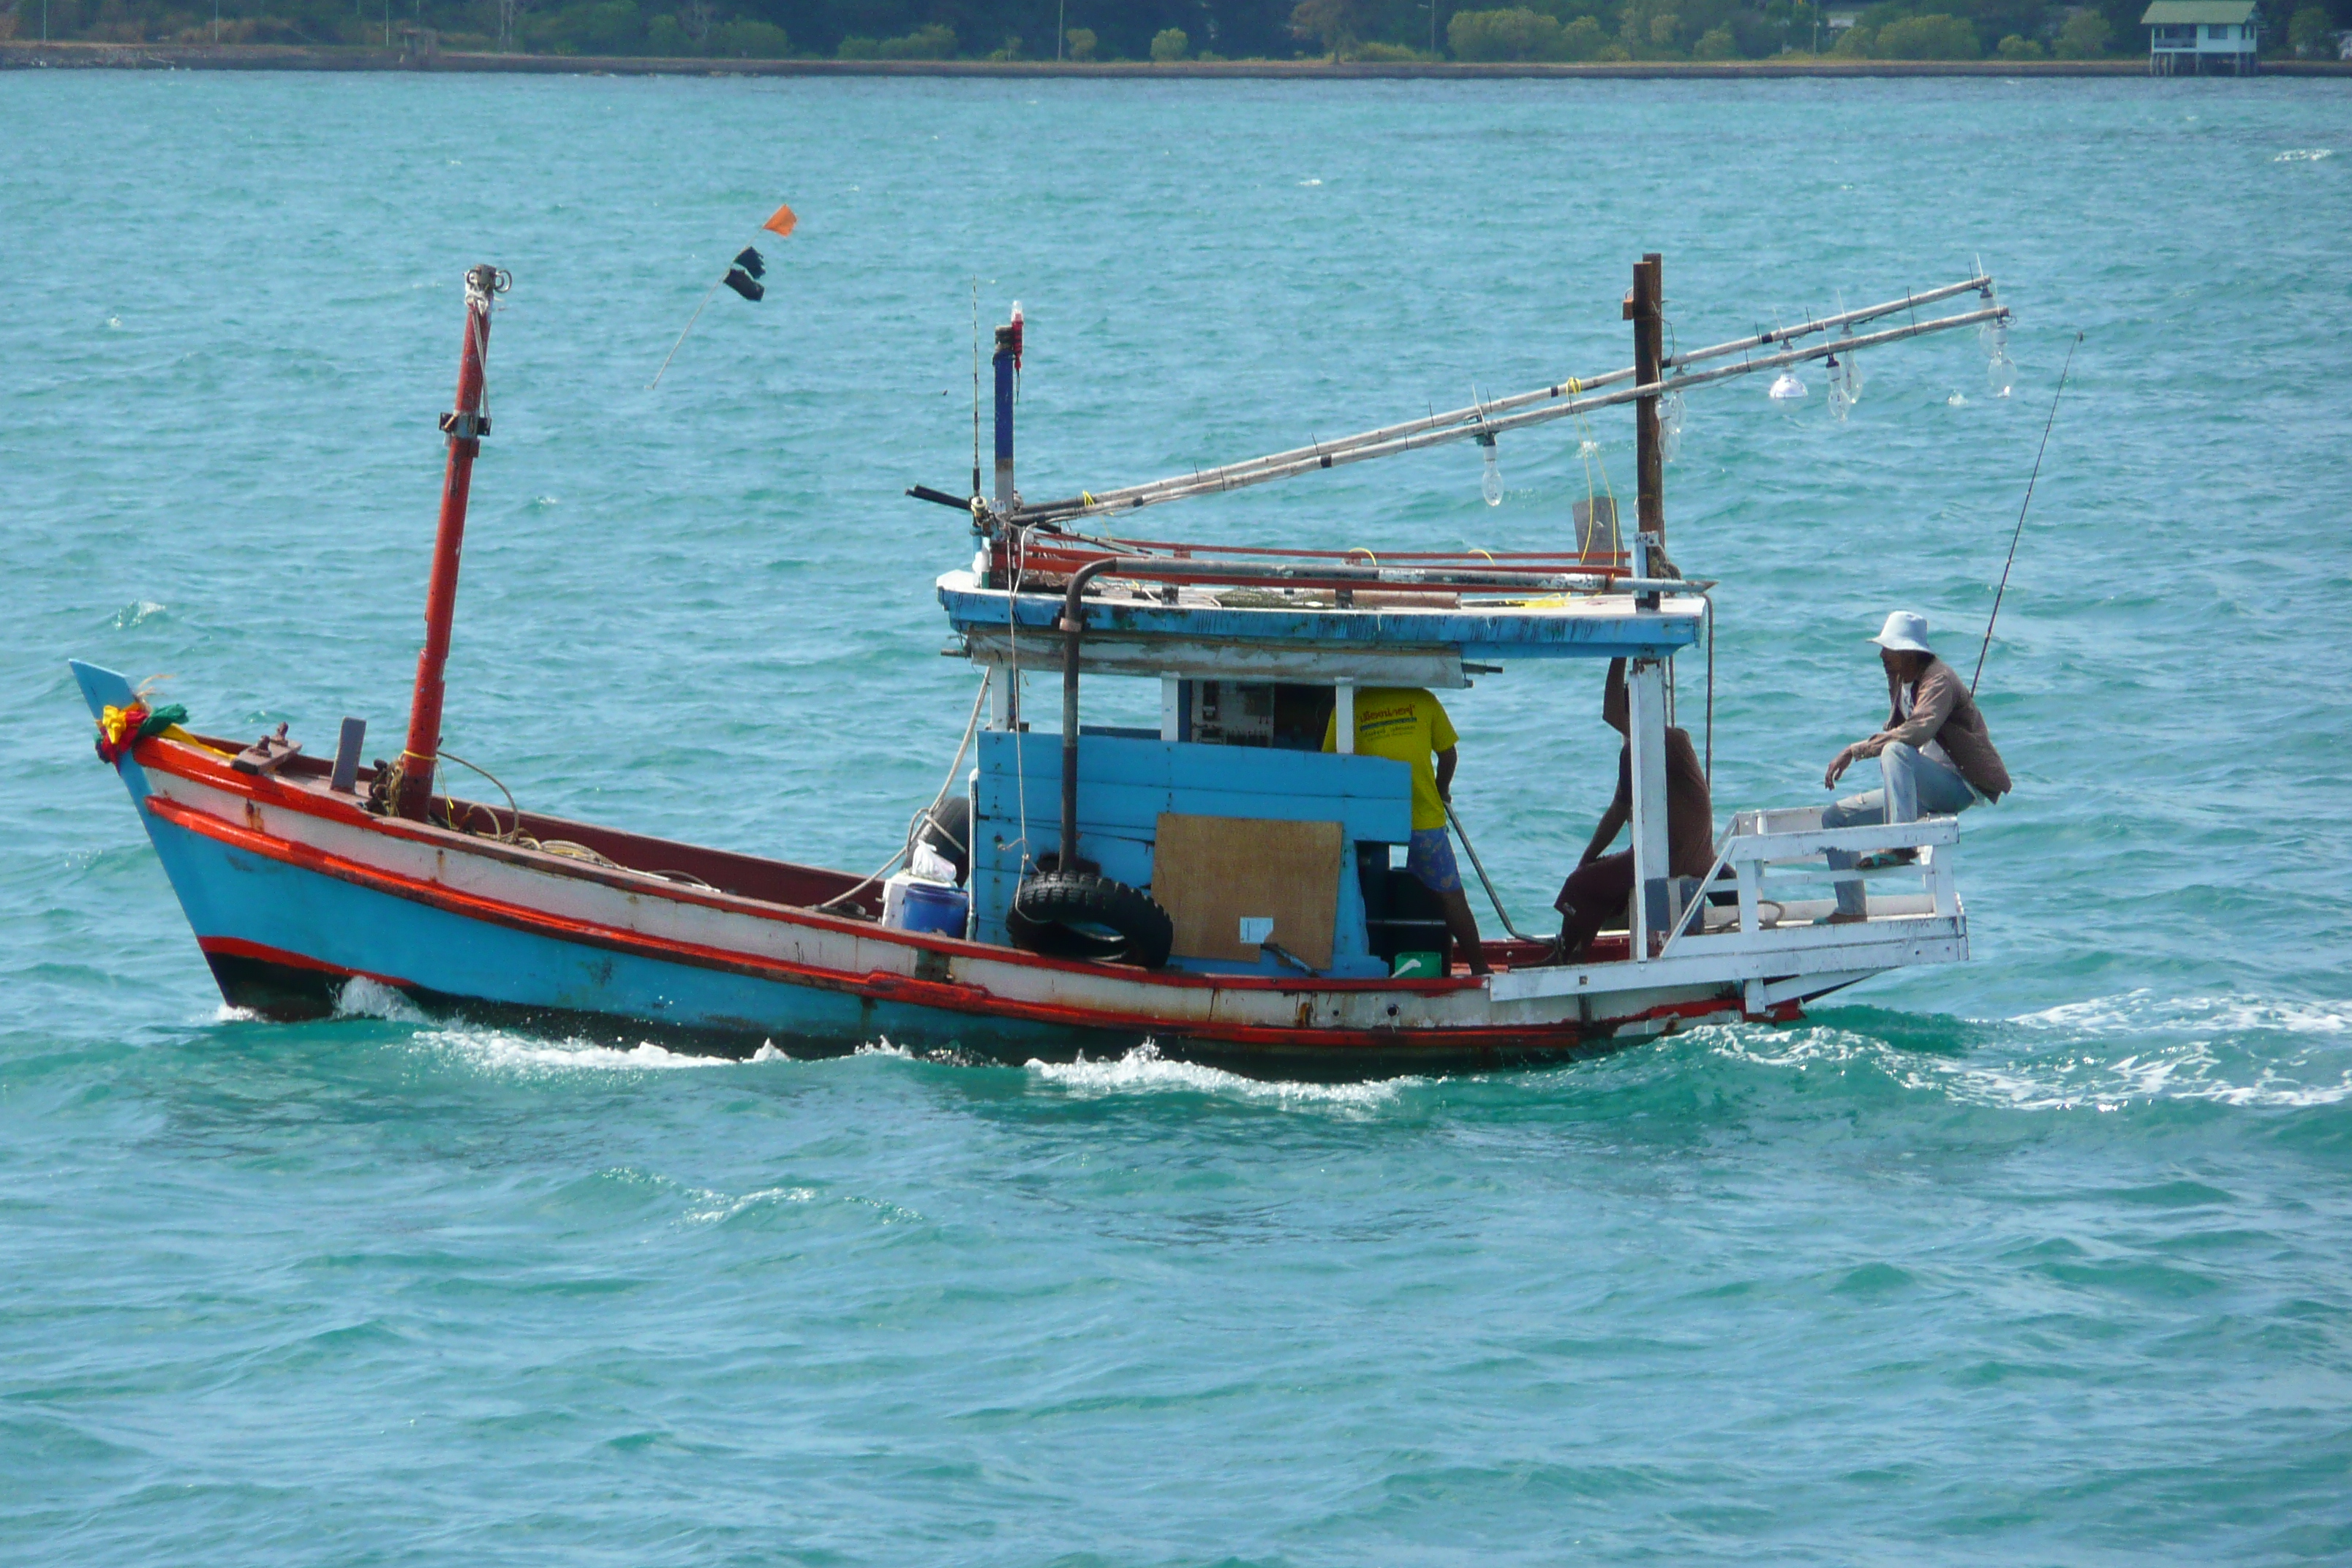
363 998
498 1050
2169 1055
2304 154
2141 1012
712 1207
2178 1074
1145 1070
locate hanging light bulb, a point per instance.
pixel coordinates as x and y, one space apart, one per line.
1786 388
1842 386
1490 479
1670 427
2000 371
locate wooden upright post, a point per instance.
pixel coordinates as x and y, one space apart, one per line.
1653 909
465 425
1645 309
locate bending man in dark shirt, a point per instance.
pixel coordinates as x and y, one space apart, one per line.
1601 885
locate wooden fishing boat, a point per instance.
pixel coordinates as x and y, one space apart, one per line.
1220 887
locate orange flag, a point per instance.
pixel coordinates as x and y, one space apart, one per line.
783 222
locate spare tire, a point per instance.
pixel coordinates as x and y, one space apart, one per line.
1072 914
948 830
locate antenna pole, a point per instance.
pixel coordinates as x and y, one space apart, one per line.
1006 360
2020 533
466 426
975 387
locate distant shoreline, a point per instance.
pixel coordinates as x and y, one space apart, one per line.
21 56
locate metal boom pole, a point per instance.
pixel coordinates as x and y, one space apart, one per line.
1422 434
1461 423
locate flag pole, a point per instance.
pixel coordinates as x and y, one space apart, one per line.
781 223
681 336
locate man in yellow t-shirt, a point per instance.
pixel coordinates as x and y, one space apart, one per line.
1408 725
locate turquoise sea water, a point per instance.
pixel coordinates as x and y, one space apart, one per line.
2044 1260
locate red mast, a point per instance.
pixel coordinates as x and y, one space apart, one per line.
466 426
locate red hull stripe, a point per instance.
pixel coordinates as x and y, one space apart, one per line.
204 768
944 995
238 947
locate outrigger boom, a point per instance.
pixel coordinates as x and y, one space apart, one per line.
1521 410
1220 887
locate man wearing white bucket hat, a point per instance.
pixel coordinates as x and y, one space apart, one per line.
1934 751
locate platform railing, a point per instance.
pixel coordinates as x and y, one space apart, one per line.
1764 850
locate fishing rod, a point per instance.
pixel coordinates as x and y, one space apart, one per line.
2020 533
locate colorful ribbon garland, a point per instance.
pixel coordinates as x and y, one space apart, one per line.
121 728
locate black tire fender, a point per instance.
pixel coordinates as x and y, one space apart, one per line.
1074 914
948 831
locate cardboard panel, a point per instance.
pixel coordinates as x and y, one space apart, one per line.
1209 872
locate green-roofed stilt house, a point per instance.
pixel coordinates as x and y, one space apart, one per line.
2199 38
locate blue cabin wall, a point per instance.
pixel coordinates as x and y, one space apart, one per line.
1124 782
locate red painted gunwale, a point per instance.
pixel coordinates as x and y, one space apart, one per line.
201 767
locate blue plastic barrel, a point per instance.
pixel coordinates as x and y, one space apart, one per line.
932 908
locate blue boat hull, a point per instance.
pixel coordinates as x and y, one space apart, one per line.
295 891
284 942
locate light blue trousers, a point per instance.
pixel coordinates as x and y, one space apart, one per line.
1914 785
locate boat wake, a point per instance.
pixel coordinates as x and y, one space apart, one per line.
511 1054
1144 1070
2104 1053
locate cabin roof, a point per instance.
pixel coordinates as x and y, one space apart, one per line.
1255 634
2215 13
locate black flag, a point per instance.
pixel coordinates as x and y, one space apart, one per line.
740 281
750 260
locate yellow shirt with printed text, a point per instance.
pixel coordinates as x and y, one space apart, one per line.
1407 725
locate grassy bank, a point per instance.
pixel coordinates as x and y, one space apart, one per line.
270 56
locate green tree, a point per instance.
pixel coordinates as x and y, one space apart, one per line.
2014 47
608 27
1082 43
1335 24
1169 45
1650 26
2312 32
750 40
1717 43
1515 34
1933 37
2084 38
936 42
1582 40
